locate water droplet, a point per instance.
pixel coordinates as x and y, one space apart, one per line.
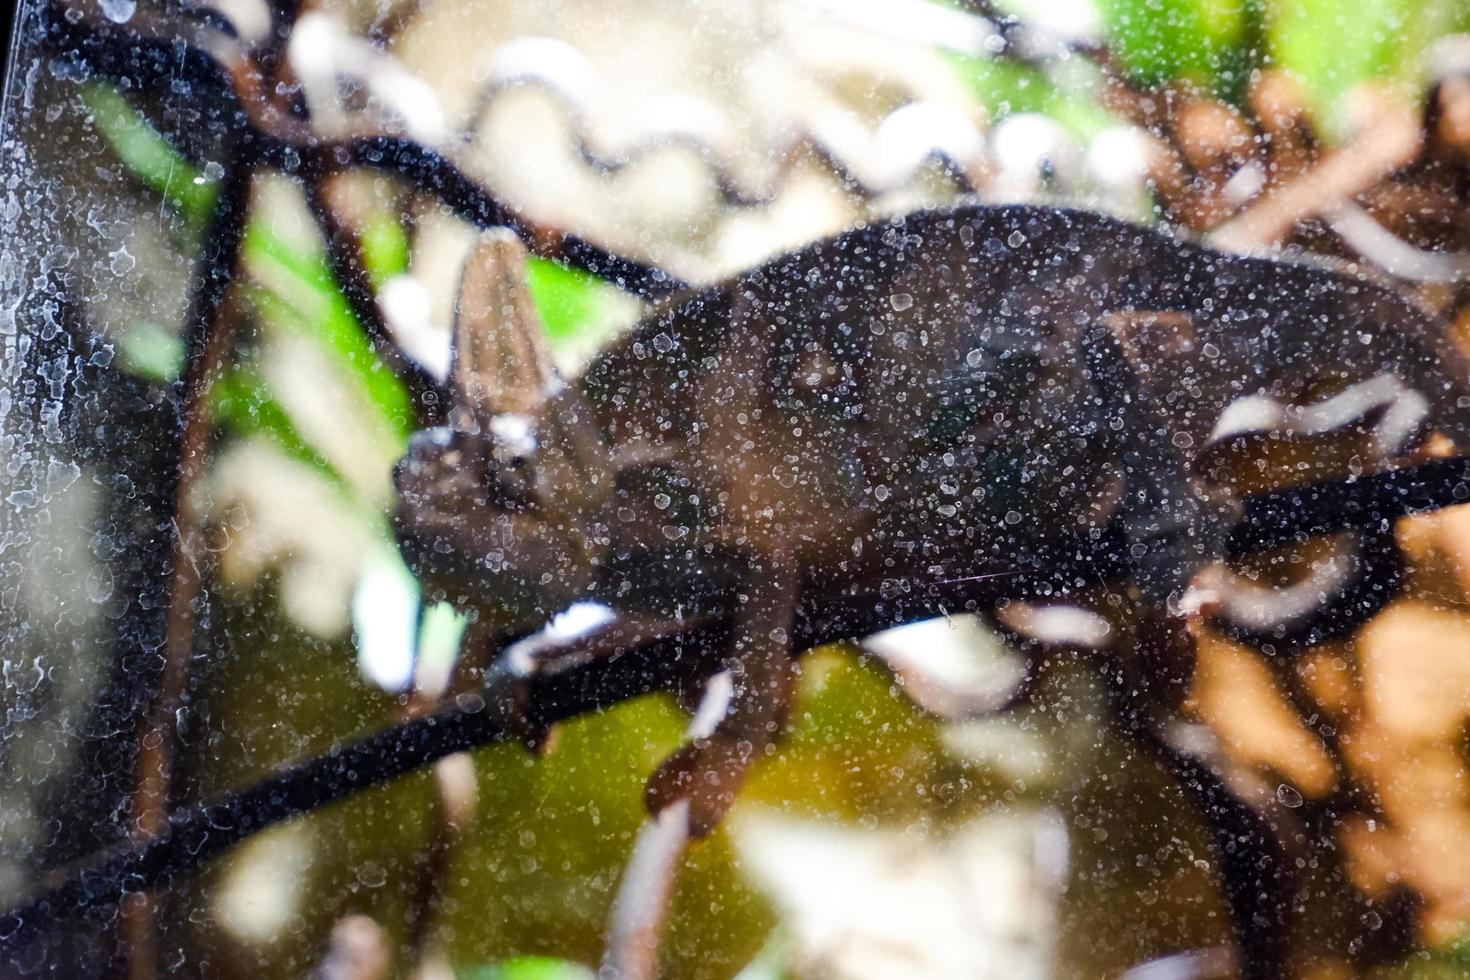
900 301
662 501
1288 796
99 584
371 875
121 261
1016 240
119 11
880 492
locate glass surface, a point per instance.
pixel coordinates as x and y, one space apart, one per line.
979 350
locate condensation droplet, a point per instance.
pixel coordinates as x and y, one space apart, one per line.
1288 796
900 301
121 262
119 11
370 874
100 584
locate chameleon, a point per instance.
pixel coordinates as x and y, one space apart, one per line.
940 396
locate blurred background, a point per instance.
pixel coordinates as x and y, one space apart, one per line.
904 830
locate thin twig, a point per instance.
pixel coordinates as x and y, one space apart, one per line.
453 807
433 173
206 342
453 810
344 255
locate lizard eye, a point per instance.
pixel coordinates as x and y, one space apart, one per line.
508 473
509 484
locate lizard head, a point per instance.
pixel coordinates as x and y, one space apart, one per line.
498 509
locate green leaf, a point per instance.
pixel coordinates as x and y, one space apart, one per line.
531 968
1165 40
300 293
570 301
150 351
1006 87
148 156
241 401
385 248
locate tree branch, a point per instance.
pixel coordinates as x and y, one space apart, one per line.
597 680
136 59
344 255
206 342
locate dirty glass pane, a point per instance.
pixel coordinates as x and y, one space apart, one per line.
773 489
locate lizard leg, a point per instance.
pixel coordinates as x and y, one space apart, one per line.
1171 529
709 770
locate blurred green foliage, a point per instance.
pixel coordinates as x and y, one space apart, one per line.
1006 87
1333 46
568 300
1164 40
531 968
148 157
1216 44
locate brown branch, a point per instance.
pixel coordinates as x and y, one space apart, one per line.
598 679
453 811
1390 139
207 340
454 803
278 139
431 172
344 255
